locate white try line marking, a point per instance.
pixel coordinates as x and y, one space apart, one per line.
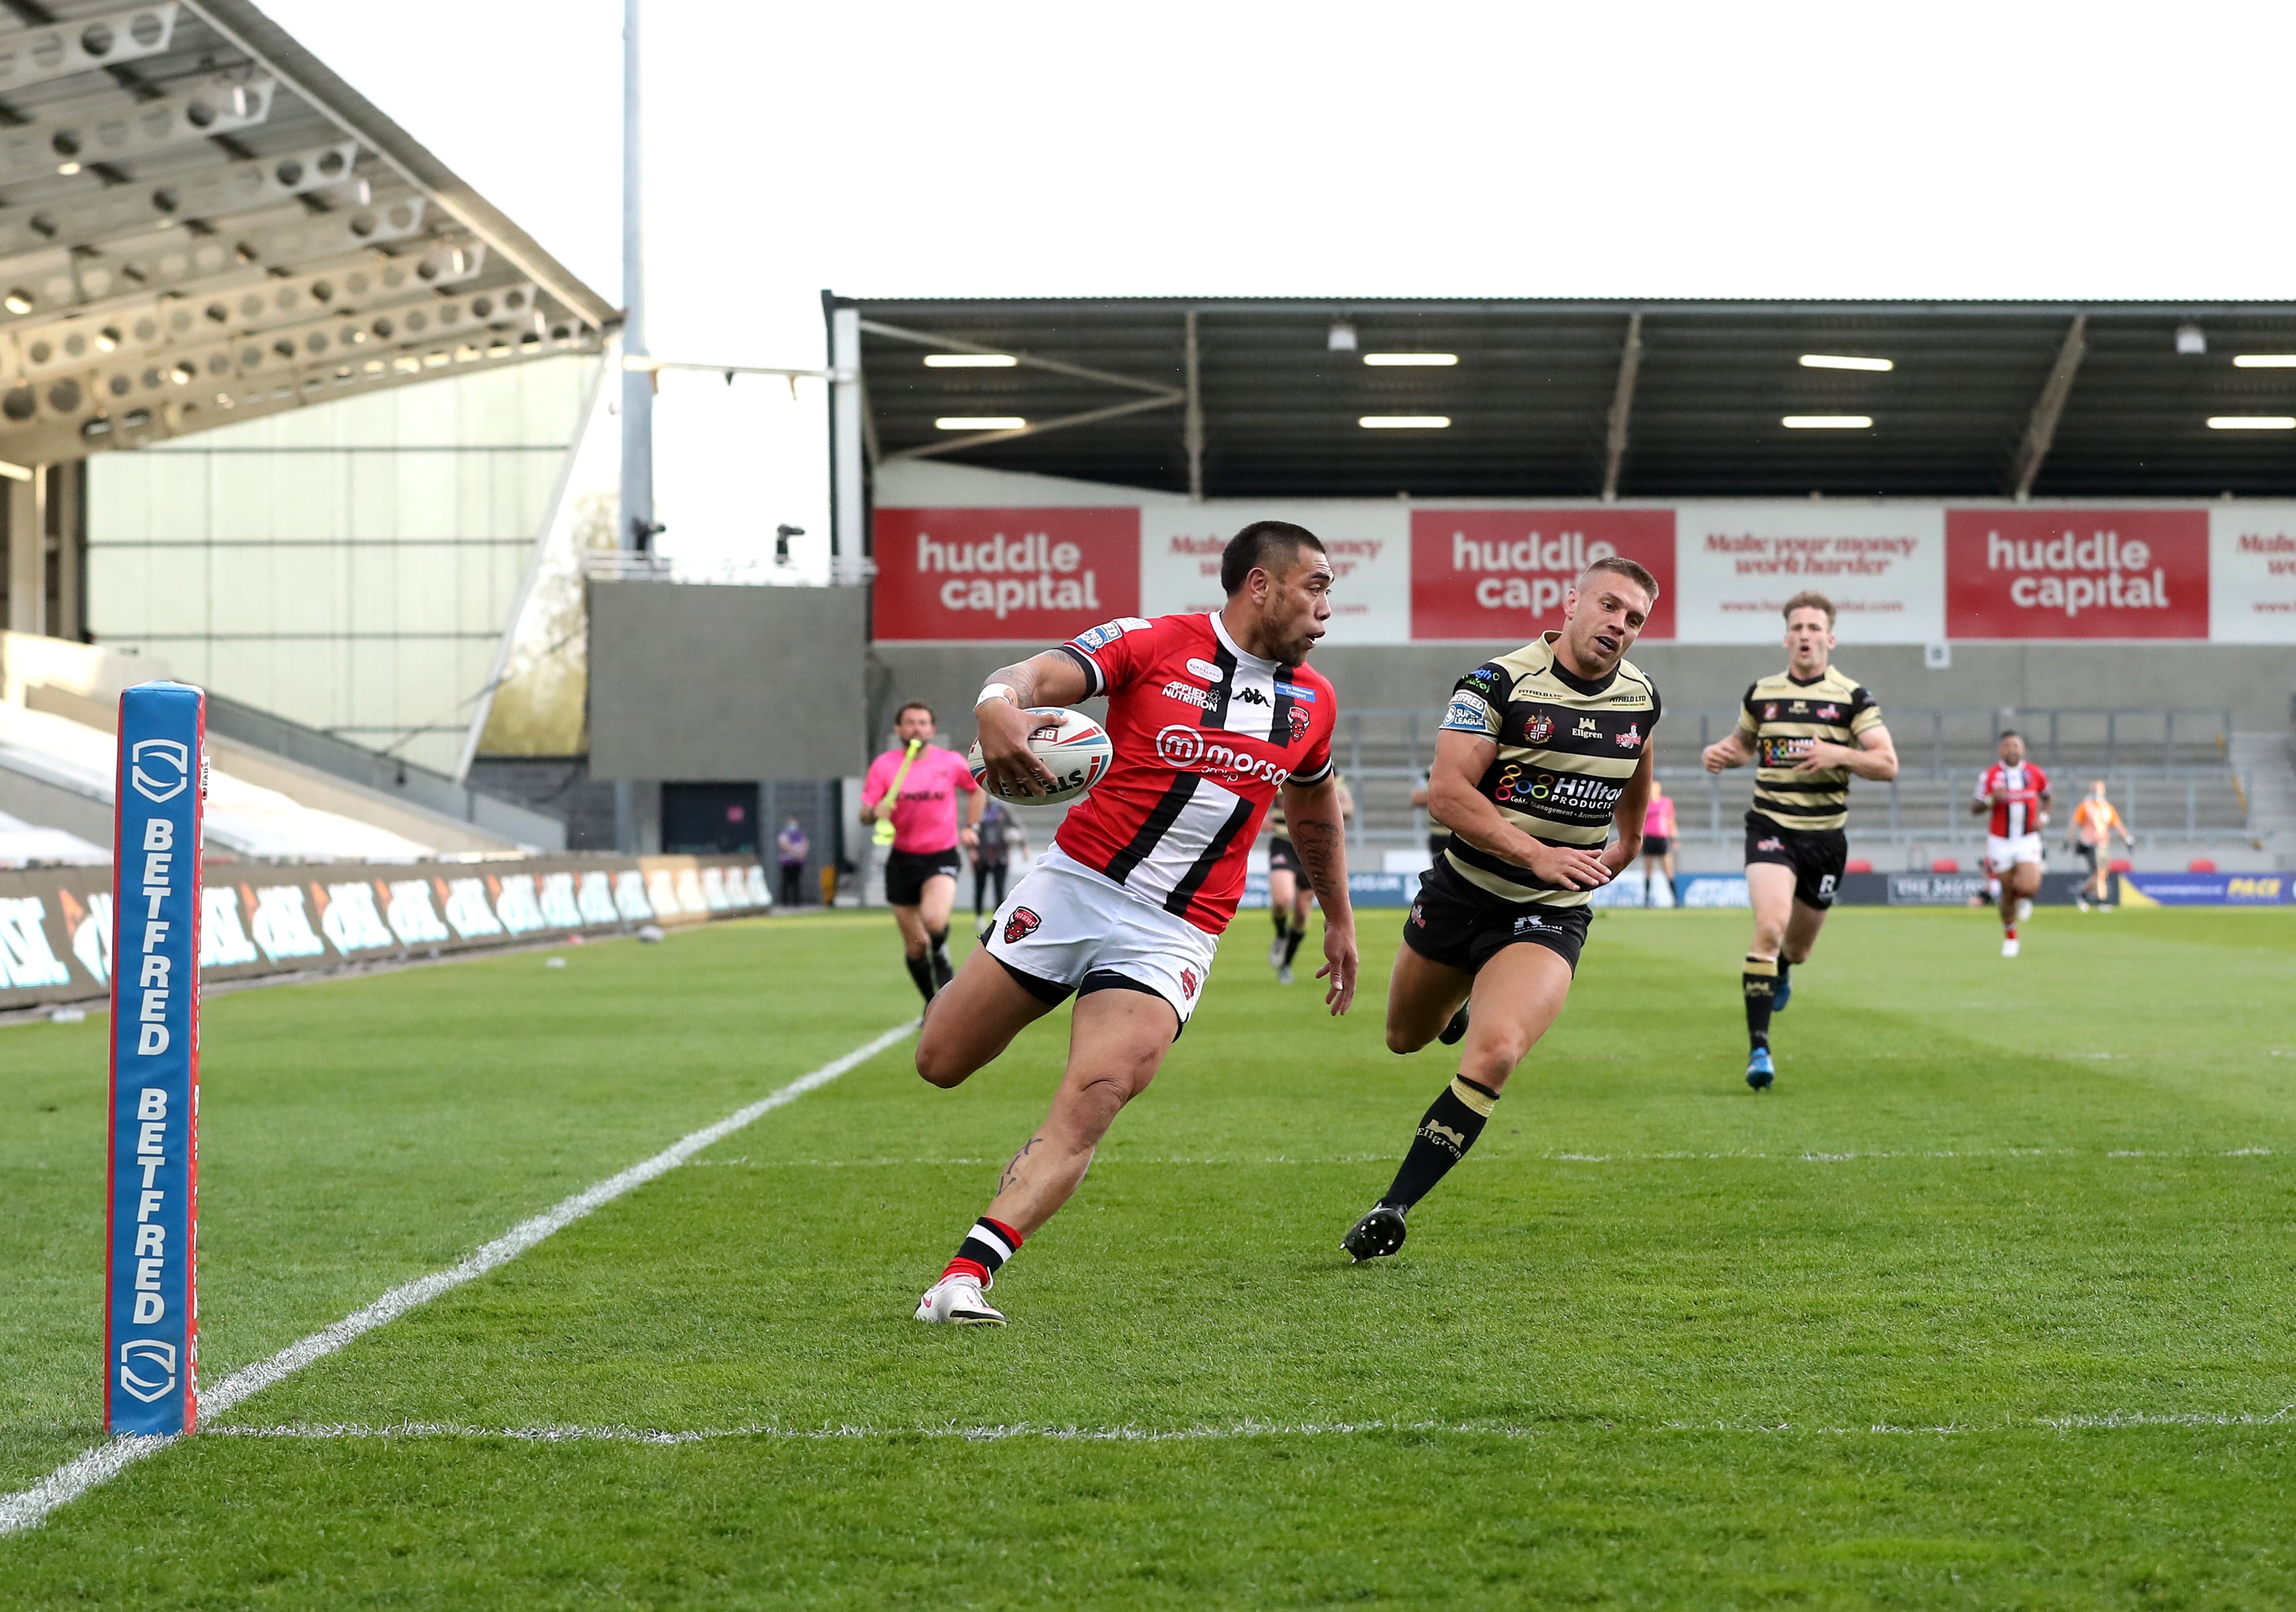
30 1507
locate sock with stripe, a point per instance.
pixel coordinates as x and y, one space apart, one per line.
920 970
1291 944
984 1251
1446 1131
937 953
1760 984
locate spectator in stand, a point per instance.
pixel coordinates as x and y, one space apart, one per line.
2094 823
1658 841
790 845
991 855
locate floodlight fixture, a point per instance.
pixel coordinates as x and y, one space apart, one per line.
979 422
1404 422
1341 338
2252 422
970 361
2190 338
1827 423
1845 361
2264 361
1411 361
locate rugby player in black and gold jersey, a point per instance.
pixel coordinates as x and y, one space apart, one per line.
1809 729
1541 753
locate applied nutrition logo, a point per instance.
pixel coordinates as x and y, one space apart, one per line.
1478 573
2127 573
1004 573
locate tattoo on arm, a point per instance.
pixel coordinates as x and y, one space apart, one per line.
1021 678
1316 841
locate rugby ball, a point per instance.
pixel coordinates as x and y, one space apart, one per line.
1074 748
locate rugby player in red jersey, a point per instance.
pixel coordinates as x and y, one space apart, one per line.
1211 716
2013 794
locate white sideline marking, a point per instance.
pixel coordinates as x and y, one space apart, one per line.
551 1433
30 1507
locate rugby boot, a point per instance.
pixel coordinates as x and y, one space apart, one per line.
1784 994
1759 1070
1283 973
1456 1030
1376 1235
957 1300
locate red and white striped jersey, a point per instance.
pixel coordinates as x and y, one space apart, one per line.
1204 732
2018 812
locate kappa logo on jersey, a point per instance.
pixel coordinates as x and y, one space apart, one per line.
1188 984
1250 696
1186 749
1022 924
1187 694
1540 729
1632 737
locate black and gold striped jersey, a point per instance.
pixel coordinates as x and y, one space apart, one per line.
1566 750
1779 717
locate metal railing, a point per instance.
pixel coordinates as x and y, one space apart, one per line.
2182 788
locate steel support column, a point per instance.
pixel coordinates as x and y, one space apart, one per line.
1622 407
1192 430
2041 430
28 552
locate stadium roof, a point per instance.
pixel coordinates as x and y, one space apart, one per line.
200 222
1580 398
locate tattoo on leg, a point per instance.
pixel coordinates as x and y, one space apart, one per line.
1013 1168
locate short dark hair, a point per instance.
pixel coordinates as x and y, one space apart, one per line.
1263 543
1810 598
2008 734
1618 565
915 705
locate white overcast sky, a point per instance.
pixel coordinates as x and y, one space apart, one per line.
1939 150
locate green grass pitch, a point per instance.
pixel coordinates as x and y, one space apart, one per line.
1989 1305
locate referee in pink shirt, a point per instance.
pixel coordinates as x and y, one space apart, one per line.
1658 840
916 792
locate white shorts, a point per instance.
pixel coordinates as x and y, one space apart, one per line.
2002 855
1064 928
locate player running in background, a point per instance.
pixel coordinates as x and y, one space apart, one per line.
1809 729
2014 794
1290 896
914 787
2094 823
1212 717
1658 842
1540 753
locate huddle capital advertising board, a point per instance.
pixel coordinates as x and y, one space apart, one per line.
1899 570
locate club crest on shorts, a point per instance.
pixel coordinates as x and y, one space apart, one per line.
1188 984
1020 925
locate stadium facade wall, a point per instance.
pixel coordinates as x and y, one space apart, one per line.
2253 681
258 919
700 683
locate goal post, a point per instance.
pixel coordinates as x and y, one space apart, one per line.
152 1214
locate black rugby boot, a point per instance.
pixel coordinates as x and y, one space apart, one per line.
1377 1234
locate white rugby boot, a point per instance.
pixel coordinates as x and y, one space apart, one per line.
2009 947
957 1300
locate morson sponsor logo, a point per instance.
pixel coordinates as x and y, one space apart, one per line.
1497 573
2077 573
1186 749
1005 573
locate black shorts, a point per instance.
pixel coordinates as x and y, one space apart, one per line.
1816 856
1281 856
2089 855
1454 923
1657 844
905 873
